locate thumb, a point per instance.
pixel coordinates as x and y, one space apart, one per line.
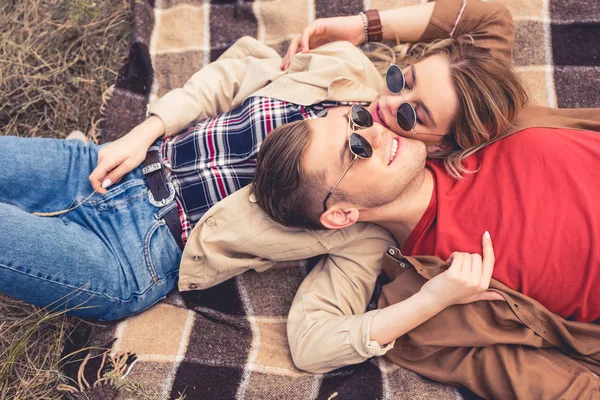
116 174
490 295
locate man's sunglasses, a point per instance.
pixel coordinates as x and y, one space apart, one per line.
406 116
360 118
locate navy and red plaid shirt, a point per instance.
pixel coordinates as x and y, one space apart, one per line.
217 156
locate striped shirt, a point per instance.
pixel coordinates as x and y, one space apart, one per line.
217 156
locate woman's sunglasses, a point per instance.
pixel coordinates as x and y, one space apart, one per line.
406 116
360 118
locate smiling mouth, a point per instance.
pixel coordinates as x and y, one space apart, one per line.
380 116
394 150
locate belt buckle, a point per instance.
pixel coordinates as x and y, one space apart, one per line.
151 168
163 202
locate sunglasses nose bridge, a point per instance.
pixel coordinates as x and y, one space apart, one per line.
404 111
373 136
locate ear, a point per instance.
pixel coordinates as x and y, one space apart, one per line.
339 218
441 146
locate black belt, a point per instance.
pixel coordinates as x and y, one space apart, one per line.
162 193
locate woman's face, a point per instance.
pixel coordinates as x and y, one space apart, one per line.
429 89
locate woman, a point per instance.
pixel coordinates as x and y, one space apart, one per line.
120 248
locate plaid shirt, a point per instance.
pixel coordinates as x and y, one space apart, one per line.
217 156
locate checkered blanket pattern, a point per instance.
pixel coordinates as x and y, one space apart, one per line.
229 341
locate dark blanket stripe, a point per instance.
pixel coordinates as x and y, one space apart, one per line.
334 8
215 358
577 86
361 381
127 107
229 21
575 33
576 44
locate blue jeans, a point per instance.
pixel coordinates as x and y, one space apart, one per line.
111 257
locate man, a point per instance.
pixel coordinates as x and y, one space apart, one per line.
534 192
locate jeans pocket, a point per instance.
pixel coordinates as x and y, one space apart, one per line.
161 252
119 197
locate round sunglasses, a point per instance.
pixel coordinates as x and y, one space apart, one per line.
360 147
406 115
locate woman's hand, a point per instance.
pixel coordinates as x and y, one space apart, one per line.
467 280
324 31
125 154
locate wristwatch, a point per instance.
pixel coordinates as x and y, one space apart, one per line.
373 25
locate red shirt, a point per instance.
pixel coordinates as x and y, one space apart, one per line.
538 194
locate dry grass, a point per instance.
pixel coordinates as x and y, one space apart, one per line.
57 57
32 357
31 343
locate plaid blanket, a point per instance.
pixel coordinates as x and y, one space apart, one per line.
230 341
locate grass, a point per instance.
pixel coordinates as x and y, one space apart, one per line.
57 58
31 343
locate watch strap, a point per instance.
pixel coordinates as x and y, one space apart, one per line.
374 28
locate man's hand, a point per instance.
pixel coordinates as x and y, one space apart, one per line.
467 280
125 154
326 30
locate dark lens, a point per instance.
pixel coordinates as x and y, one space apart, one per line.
361 116
360 146
406 116
394 79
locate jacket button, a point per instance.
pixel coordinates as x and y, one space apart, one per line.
196 258
211 222
193 286
252 198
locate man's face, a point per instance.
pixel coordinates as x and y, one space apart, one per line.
372 182
430 90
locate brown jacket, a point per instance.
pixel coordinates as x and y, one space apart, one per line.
501 350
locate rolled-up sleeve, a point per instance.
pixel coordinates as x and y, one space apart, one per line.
244 68
490 25
328 326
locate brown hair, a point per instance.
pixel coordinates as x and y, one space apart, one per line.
283 188
489 93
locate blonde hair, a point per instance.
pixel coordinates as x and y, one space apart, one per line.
489 92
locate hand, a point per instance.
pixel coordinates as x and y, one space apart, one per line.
125 154
467 280
326 30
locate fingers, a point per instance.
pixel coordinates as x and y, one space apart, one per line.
490 295
476 268
489 258
300 43
306 35
108 172
99 174
116 174
292 50
457 261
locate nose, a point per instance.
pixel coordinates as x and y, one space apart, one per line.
395 100
393 104
374 135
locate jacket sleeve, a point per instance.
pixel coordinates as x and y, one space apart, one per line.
507 371
489 24
245 67
328 326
